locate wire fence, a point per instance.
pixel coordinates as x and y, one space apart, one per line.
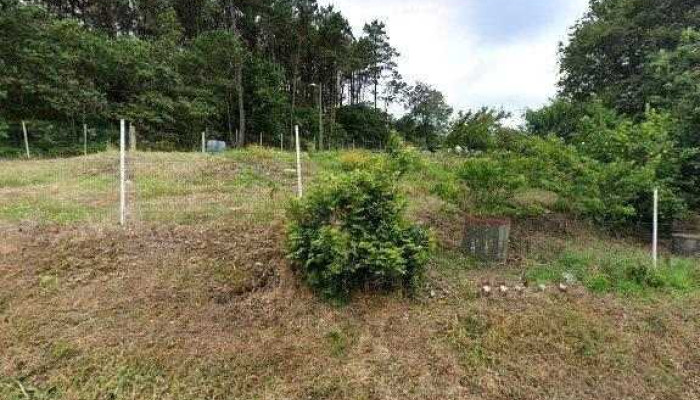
559 238
181 188
254 186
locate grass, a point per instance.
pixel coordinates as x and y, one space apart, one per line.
195 300
626 270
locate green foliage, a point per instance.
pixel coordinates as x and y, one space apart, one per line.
676 73
476 130
623 271
364 125
491 182
349 232
628 56
612 163
428 117
561 118
402 158
175 70
612 45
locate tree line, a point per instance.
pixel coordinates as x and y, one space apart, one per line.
243 69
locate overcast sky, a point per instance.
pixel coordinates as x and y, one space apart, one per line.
500 53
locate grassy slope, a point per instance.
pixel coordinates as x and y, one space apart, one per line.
196 300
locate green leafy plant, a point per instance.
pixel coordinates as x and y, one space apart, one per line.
349 232
402 158
491 183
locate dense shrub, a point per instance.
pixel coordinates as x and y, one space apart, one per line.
477 130
364 125
607 174
491 183
349 232
401 157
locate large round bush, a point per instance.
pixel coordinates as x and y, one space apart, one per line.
349 232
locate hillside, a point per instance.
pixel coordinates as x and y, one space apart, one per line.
195 299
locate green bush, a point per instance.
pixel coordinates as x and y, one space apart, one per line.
402 158
477 130
349 232
491 183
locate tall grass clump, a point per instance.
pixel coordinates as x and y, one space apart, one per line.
350 233
623 270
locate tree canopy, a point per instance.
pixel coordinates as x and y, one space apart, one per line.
175 67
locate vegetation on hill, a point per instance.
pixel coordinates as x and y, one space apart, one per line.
196 298
627 109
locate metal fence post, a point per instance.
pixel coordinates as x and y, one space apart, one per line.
26 139
299 183
122 173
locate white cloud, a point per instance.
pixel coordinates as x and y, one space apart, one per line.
444 43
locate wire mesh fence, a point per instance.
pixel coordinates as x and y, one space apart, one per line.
196 188
179 188
549 238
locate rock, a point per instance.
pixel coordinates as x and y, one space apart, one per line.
569 278
503 289
563 287
432 293
542 287
486 290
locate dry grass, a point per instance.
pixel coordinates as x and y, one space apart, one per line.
209 309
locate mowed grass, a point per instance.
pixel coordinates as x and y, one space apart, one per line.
195 300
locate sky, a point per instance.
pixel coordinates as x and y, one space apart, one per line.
498 53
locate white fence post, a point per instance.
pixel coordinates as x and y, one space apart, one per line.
300 189
122 173
204 142
655 233
26 138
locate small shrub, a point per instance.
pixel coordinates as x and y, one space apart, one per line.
402 159
349 232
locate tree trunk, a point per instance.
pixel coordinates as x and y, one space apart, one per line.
240 141
294 100
232 138
376 84
241 105
132 137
